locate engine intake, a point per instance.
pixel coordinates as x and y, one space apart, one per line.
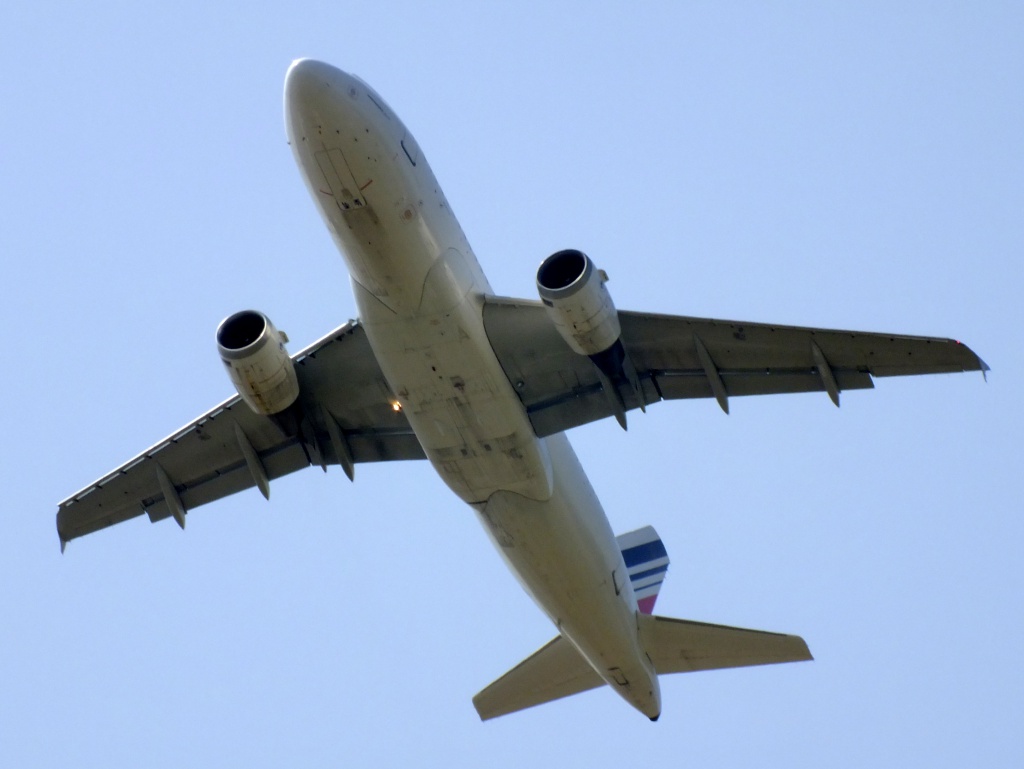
260 368
573 292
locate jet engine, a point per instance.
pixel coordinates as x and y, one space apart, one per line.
257 362
573 292
574 295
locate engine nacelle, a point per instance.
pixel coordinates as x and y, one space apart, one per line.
257 362
574 295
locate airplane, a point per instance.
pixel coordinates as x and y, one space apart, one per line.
485 387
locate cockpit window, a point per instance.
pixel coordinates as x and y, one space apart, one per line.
411 150
369 95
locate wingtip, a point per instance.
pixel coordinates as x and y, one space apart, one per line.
983 367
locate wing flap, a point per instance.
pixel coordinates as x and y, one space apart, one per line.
674 385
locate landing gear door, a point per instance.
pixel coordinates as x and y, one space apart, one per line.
342 184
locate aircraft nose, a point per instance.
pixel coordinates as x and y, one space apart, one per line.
316 93
308 79
312 94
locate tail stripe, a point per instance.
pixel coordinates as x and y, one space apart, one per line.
646 564
636 577
649 551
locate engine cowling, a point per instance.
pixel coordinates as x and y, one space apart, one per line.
258 363
574 295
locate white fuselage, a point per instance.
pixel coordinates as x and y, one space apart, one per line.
420 294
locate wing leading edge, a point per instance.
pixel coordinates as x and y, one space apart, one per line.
348 419
684 357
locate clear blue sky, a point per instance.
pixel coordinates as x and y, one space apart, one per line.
852 167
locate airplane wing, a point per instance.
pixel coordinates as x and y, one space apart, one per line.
348 418
683 357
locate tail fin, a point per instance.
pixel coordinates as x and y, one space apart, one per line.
647 564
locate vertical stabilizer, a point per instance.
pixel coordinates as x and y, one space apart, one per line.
646 563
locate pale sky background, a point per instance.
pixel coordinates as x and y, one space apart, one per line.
853 165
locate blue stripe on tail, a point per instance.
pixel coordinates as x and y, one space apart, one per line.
646 563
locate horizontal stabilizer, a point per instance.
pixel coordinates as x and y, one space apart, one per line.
683 646
555 671
673 645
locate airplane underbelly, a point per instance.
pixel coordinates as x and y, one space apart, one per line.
469 421
419 288
564 554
